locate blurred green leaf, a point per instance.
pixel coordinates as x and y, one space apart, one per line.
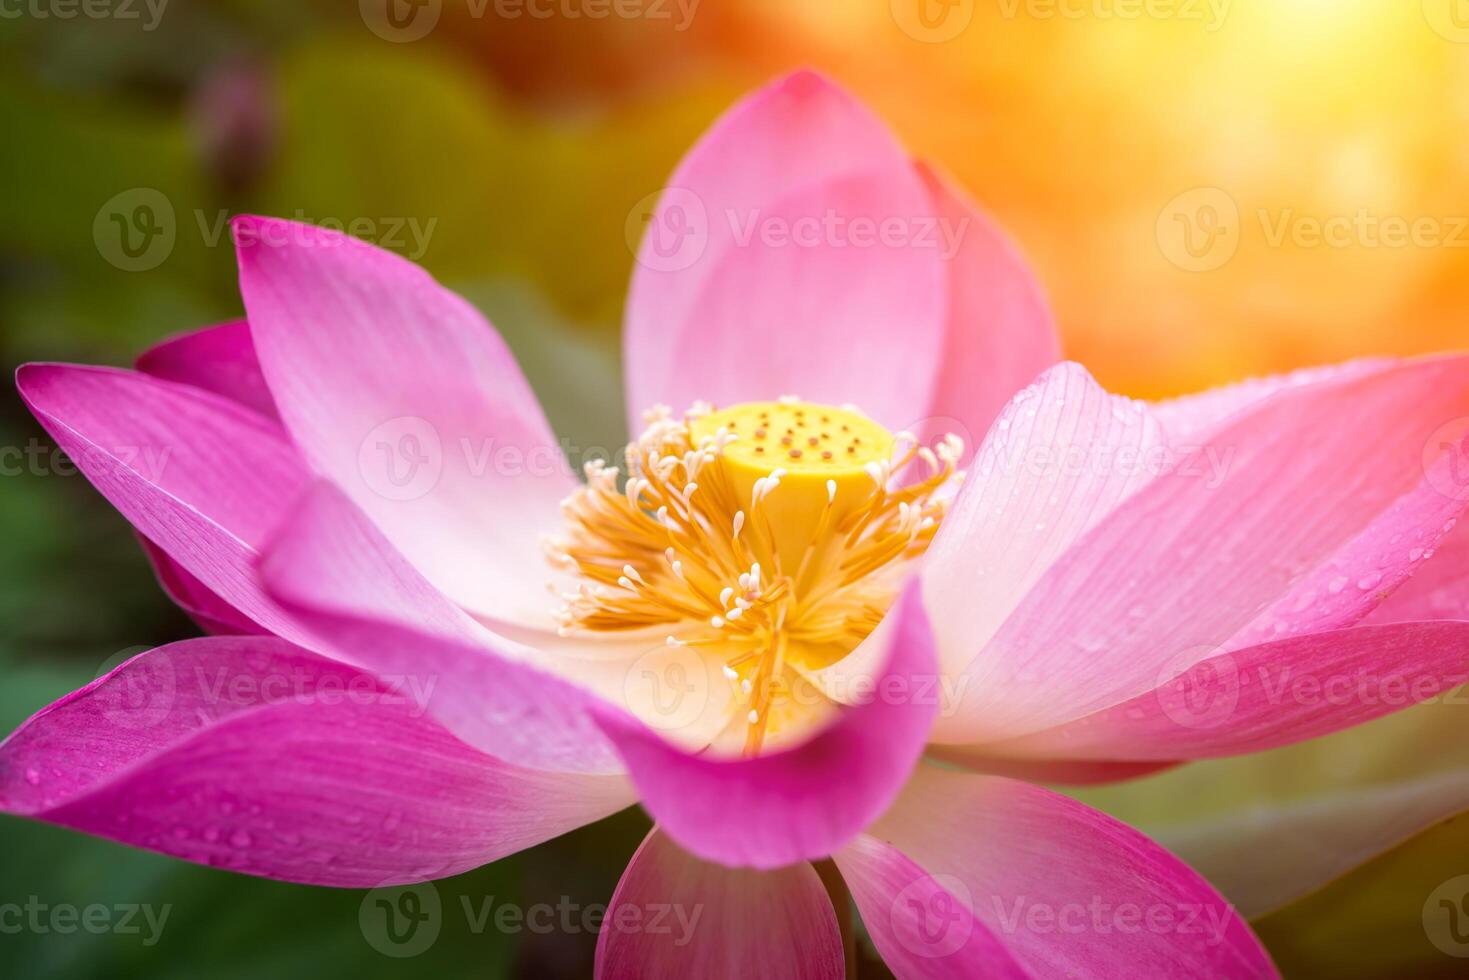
430 161
1385 920
1283 834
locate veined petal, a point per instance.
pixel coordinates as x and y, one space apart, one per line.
804 802
1367 570
1439 587
717 923
1171 575
1069 891
212 613
403 395
1000 334
799 131
200 476
1267 695
257 756
220 359
1063 772
364 602
806 302
922 929
1062 455
1190 418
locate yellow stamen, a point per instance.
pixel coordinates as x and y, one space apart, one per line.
771 536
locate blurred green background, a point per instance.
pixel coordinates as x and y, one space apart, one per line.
506 153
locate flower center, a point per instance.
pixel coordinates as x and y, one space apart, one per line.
771 536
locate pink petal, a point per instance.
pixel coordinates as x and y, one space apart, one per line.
366 605
1178 569
828 323
1000 333
1062 455
254 755
212 613
399 392
1367 570
219 359
1269 695
800 803
1439 588
732 318
1191 418
921 928
989 758
675 917
1070 892
797 131
200 476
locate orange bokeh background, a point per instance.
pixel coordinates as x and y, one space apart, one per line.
1077 122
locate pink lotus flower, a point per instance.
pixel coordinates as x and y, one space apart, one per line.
784 608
